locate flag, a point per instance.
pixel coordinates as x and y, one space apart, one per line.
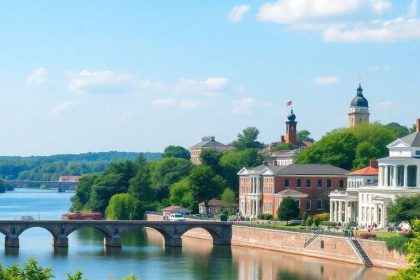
289 103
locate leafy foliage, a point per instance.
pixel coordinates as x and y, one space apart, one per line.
283 147
303 135
398 243
248 139
228 197
405 208
123 206
287 210
350 148
29 271
180 194
397 129
176 152
412 272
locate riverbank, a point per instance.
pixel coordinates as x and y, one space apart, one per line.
322 246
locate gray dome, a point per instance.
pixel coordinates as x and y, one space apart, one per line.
359 100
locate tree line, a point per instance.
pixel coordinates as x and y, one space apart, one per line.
127 189
50 168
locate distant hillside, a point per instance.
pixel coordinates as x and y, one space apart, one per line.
52 167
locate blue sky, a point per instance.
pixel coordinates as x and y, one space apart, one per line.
81 76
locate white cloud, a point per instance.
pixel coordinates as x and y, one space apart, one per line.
238 12
399 29
325 80
62 108
379 6
102 82
172 102
243 106
206 87
37 77
289 11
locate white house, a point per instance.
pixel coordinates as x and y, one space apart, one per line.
399 175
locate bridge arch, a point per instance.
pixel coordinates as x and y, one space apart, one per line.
21 229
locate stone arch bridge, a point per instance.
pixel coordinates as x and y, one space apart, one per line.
221 232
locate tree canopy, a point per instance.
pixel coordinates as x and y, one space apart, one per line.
303 135
248 139
177 152
405 208
287 210
123 206
350 148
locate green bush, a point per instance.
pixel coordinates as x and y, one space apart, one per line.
317 221
304 217
322 217
223 217
398 243
328 223
265 216
309 221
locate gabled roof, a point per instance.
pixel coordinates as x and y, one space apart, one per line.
209 142
411 140
294 169
174 208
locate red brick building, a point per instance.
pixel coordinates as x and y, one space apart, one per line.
262 188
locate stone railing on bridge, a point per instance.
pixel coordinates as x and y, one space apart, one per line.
221 232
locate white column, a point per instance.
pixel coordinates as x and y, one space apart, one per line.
381 176
405 175
418 176
394 181
331 210
340 207
346 212
386 169
350 210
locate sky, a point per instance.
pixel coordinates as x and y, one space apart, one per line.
86 76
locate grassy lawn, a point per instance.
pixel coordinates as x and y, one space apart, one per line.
380 234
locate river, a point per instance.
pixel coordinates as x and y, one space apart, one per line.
144 255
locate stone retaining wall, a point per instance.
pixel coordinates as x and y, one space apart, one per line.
333 247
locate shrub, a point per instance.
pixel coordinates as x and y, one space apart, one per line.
223 217
265 216
328 223
317 221
309 221
398 243
322 217
304 217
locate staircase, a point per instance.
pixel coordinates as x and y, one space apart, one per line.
362 254
309 241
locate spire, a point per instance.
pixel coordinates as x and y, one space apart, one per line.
360 90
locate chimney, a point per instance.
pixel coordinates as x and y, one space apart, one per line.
373 163
418 125
282 139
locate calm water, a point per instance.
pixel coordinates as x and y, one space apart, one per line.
143 252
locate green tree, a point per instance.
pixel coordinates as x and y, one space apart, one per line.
211 157
303 135
398 130
180 194
287 210
411 272
166 172
205 185
228 198
83 190
177 152
140 184
29 271
248 139
413 128
405 208
283 147
123 206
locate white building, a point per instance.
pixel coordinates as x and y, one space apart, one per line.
399 175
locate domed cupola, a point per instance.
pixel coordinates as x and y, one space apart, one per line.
291 117
359 100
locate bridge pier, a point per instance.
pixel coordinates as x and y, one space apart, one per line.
113 241
61 241
173 241
11 240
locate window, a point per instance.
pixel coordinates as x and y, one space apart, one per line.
328 183
298 183
319 203
308 204
319 184
341 184
286 183
411 175
308 183
417 153
297 203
